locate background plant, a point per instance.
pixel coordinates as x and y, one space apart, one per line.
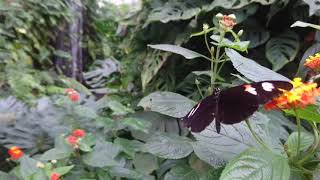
118 62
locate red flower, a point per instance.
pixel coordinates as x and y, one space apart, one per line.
72 140
54 176
15 153
73 94
79 133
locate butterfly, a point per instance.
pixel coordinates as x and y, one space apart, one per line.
233 105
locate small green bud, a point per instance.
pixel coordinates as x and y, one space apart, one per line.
240 33
219 15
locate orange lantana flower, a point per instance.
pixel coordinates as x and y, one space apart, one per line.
300 96
15 153
313 62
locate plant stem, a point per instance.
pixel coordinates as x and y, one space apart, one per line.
214 62
314 146
299 130
200 92
256 137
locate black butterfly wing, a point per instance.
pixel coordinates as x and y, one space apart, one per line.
202 114
269 89
235 105
238 103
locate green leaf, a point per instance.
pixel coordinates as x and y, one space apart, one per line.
86 142
304 24
309 113
128 173
168 146
256 164
5 176
160 123
27 166
103 154
250 69
145 163
62 54
240 46
136 124
130 147
182 172
188 54
218 148
174 10
306 140
167 103
55 154
63 170
255 33
282 49
235 4
314 6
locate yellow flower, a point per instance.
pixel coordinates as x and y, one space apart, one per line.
313 62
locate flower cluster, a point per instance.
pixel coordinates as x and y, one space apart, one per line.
73 94
15 153
300 96
74 138
226 21
313 62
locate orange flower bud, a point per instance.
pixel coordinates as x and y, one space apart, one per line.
313 62
72 140
15 153
54 176
79 133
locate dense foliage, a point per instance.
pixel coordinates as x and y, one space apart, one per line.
91 90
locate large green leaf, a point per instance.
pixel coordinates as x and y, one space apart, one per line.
136 124
218 148
251 69
306 140
5 176
168 103
282 49
256 164
145 163
314 6
103 154
130 147
55 154
310 113
27 166
235 4
188 54
255 33
182 172
63 170
168 146
160 123
174 10
128 173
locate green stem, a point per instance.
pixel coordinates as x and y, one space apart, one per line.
214 63
256 137
200 92
299 130
315 145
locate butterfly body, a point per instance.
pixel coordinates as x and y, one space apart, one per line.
232 105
